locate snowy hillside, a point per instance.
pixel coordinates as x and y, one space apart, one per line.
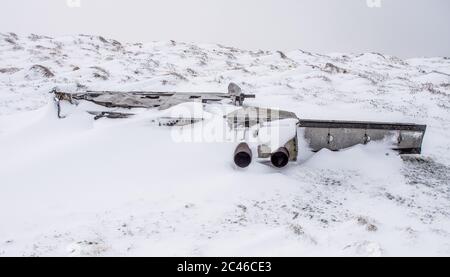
77 187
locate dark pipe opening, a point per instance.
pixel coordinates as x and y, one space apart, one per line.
280 158
242 159
242 155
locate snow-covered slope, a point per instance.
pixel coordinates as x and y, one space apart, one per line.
78 187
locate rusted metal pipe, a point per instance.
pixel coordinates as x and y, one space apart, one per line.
280 158
243 155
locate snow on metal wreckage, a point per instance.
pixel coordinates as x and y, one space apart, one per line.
223 117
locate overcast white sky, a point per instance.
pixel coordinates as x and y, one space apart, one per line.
399 27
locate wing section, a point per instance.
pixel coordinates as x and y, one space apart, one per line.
336 135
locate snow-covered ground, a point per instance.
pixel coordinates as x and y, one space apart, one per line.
76 186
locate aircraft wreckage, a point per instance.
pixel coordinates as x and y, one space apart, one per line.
319 134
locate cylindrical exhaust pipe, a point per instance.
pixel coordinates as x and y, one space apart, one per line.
242 155
280 158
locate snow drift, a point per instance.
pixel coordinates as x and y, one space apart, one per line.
82 187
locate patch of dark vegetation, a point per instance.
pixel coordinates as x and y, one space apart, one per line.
116 43
242 207
34 37
9 70
178 76
100 73
429 179
192 72
333 69
274 67
363 221
229 48
331 182
229 55
427 172
282 55
85 242
102 39
13 35
297 229
42 70
258 53
372 53
40 47
151 63
80 86
398 60
11 41
429 87
374 78
306 52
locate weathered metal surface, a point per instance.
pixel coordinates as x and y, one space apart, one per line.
337 135
292 147
113 115
177 121
265 152
360 125
149 99
251 116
